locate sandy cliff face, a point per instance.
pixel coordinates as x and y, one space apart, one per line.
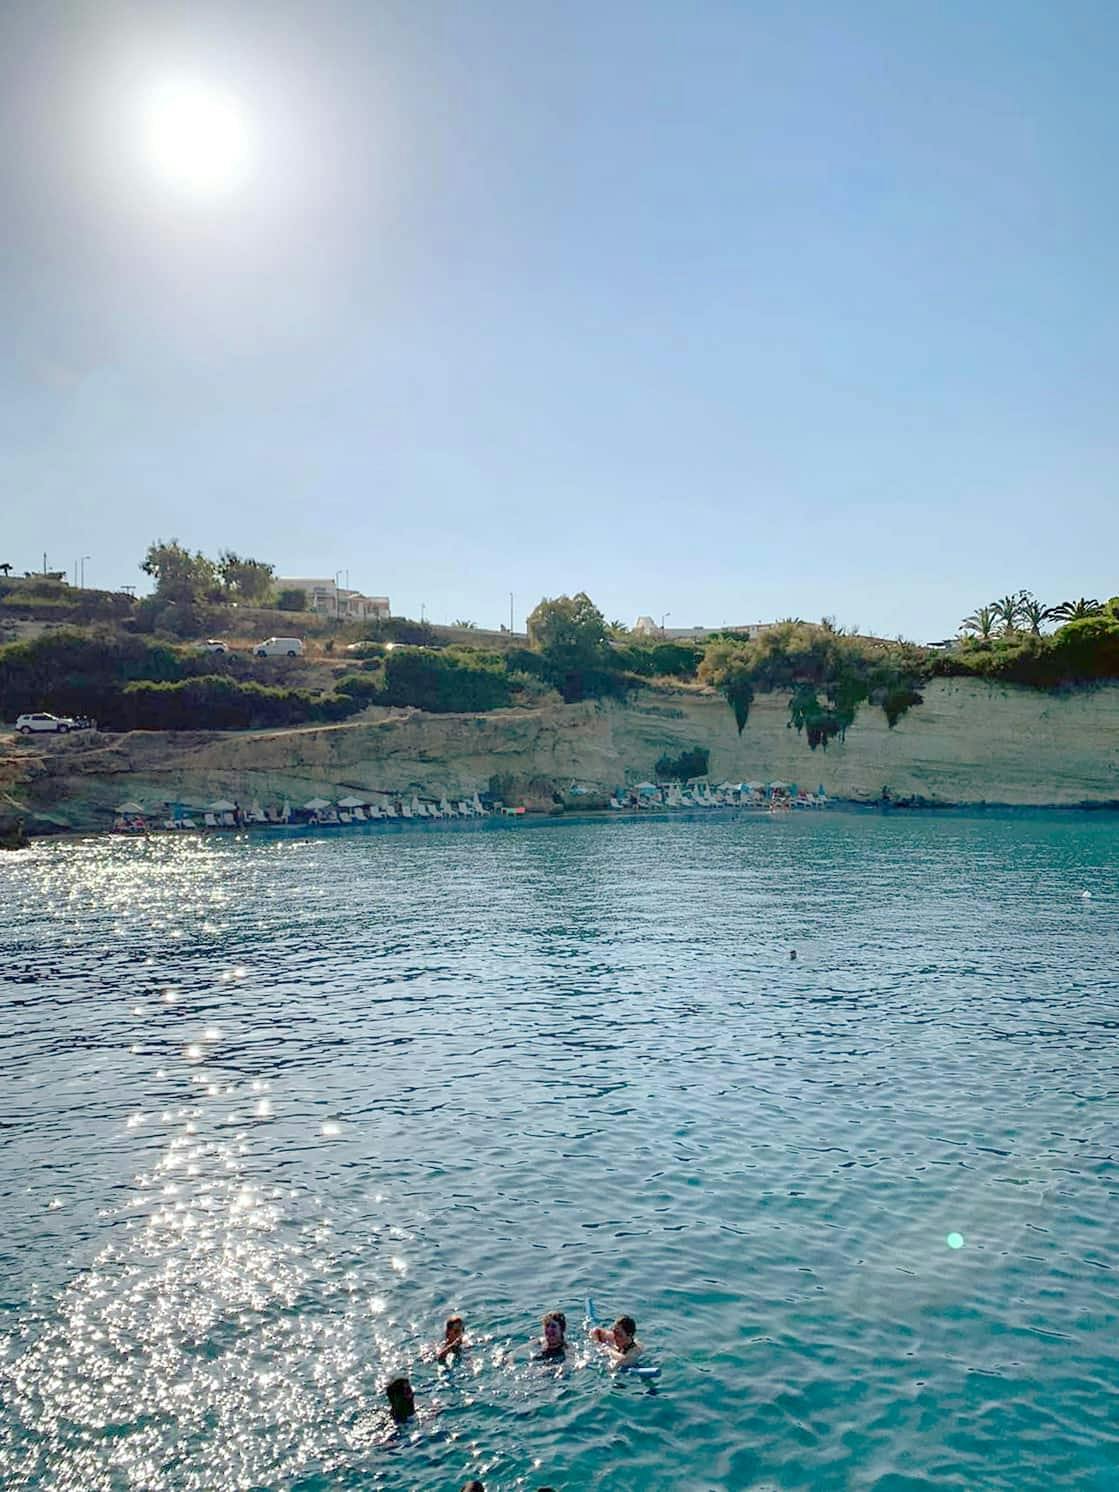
969 742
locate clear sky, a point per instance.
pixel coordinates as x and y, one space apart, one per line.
729 310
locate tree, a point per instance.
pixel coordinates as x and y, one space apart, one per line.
617 629
181 577
982 622
292 599
569 633
468 626
246 581
729 667
1033 613
1008 611
7 569
1076 611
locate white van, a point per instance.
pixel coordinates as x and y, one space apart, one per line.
279 647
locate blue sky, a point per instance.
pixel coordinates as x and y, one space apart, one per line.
729 311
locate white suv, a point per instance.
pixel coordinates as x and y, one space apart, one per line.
57 723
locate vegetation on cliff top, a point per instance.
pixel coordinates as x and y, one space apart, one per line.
828 674
130 681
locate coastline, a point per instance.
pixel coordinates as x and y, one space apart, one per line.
498 823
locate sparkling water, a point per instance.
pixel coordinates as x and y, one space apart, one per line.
273 1108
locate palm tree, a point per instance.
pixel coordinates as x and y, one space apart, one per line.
1008 611
1076 611
7 569
1033 613
981 622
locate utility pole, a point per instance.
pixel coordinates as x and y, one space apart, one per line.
510 611
83 560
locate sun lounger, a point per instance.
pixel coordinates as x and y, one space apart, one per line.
210 820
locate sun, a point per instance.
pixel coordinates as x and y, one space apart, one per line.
196 137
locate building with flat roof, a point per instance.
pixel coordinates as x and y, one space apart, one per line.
645 626
327 598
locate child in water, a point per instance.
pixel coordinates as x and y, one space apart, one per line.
620 1341
454 1338
553 1344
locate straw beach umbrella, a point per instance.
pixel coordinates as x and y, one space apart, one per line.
316 805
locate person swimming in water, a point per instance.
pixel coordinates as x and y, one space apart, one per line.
454 1338
553 1344
620 1341
402 1401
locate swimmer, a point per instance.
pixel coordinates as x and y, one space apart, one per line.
620 1341
473 1486
402 1401
454 1338
553 1343
792 953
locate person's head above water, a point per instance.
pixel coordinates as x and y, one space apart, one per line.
555 1331
454 1329
625 1330
473 1486
402 1402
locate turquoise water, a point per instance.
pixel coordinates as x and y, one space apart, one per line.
272 1109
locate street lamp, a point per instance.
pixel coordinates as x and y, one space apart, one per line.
82 562
664 614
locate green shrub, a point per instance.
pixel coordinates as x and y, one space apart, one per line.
445 680
291 599
215 702
828 674
691 763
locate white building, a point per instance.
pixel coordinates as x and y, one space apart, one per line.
645 626
329 599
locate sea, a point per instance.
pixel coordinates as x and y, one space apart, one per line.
274 1107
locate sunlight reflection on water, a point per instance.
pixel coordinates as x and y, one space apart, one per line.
279 1108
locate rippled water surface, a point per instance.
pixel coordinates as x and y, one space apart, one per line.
273 1108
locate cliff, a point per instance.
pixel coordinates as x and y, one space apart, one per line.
969 742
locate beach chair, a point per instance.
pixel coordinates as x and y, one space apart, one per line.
210 820
345 816
359 815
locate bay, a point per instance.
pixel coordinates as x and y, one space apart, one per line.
275 1107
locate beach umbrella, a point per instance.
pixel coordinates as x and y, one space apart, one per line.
223 805
754 787
130 808
783 785
316 804
352 802
646 787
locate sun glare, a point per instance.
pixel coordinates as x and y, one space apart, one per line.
196 137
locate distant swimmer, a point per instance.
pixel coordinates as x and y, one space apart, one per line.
792 953
620 1341
402 1401
454 1338
473 1486
553 1344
